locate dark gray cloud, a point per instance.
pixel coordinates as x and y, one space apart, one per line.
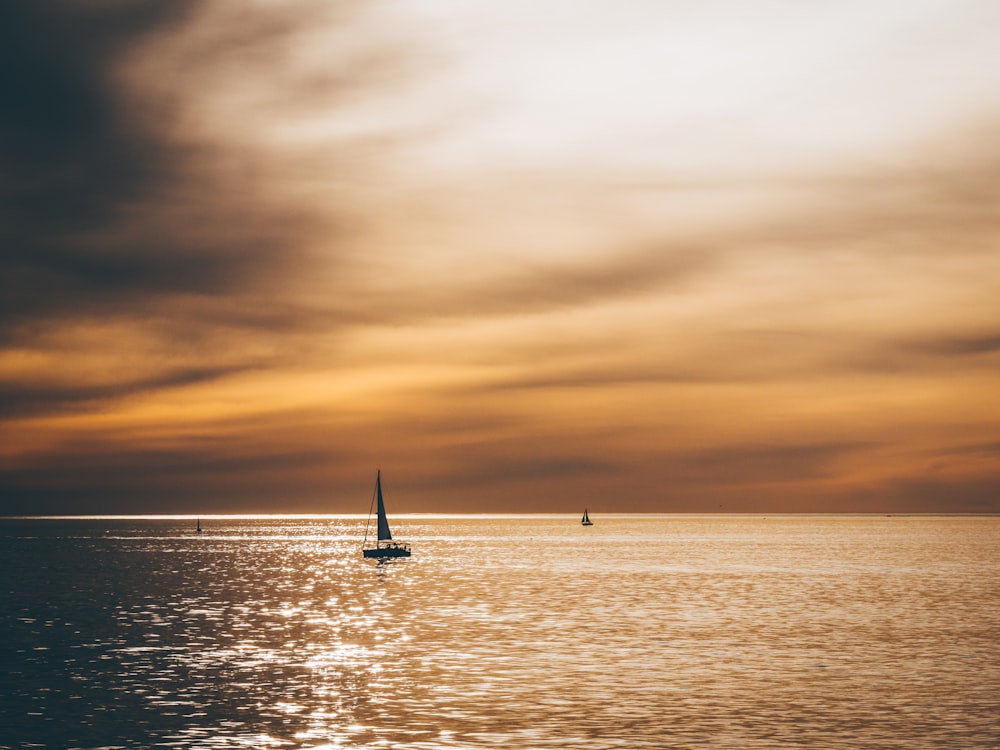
110 211
939 354
962 494
107 207
745 464
118 478
71 153
957 345
25 399
475 470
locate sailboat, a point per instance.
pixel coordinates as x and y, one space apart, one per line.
586 519
198 530
384 546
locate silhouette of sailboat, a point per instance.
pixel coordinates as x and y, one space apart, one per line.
586 519
384 545
198 530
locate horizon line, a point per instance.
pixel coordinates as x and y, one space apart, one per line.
574 514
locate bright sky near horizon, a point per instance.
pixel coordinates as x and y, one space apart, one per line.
638 256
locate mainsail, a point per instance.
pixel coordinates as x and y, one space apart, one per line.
383 523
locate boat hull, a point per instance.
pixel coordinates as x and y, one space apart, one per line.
383 552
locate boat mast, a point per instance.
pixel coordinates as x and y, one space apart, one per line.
368 522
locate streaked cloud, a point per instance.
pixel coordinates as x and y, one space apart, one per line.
650 256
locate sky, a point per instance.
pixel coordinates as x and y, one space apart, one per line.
524 256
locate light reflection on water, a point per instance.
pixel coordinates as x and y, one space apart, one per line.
530 632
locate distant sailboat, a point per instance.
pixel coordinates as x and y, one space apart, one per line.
198 530
586 519
384 546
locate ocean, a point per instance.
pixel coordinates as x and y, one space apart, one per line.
642 631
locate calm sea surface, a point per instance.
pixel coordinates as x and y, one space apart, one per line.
514 632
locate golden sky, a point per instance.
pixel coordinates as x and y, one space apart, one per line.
636 256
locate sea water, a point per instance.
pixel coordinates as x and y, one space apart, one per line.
502 632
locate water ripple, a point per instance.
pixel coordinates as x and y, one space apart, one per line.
528 632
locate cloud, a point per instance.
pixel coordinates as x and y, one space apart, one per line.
975 494
125 193
71 156
70 153
741 465
617 262
25 399
119 478
957 345
543 286
161 243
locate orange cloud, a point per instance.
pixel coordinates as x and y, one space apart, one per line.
656 263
